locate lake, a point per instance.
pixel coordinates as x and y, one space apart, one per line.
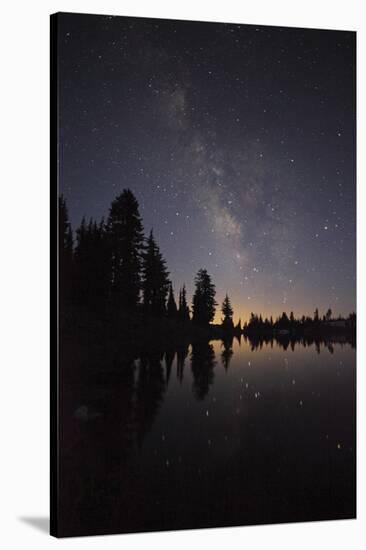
216 434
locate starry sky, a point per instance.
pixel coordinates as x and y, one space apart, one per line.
238 142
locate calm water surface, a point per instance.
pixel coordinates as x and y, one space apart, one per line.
212 435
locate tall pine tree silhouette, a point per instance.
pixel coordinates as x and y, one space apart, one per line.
204 304
228 313
102 263
183 309
155 279
81 282
171 307
65 250
91 265
125 239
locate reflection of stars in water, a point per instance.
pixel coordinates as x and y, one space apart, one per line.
249 389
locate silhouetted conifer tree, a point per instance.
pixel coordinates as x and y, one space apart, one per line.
155 284
102 261
253 322
183 309
227 312
352 321
284 322
125 238
65 250
204 304
91 265
171 307
83 264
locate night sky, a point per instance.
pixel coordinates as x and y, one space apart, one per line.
238 142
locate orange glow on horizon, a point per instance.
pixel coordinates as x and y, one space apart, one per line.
244 313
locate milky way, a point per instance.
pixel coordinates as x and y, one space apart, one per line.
238 142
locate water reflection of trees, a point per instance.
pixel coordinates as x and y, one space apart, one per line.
169 358
286 342
153 371
182 354
227 352
108 414
149 392
133 391
202 365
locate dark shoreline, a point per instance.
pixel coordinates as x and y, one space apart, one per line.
98 339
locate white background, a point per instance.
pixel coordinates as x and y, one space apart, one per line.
24 258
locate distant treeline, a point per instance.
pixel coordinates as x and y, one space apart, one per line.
285 323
